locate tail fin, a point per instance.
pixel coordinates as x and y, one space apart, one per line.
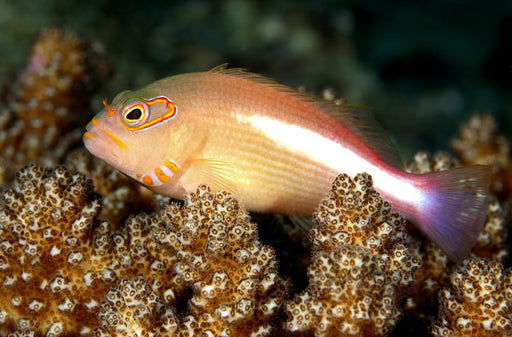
454 209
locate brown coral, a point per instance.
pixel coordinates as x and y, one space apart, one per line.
479 142
206 254
478 301
60 73
424 163
59 262
44 109
236 290
491 242
47 100
121 195
361 265
45 225
132 307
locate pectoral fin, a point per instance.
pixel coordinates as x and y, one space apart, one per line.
218 175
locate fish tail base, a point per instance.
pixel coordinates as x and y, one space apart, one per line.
454 209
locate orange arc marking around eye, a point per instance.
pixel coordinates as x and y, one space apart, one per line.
158 99
169 115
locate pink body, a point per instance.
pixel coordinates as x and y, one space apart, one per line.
278 150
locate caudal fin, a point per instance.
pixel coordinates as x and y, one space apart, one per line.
455 208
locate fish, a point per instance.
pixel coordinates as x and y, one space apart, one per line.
276 149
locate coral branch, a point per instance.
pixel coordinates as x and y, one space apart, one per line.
478 301
58 261
46 222
361 265
48 100
479 142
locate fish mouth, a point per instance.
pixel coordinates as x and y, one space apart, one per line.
102 143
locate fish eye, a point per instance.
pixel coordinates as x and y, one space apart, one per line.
135 112
134 115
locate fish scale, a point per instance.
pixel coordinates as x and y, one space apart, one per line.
284 178
278 150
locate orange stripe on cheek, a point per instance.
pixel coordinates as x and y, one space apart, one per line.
115 139
161 175
171 166
147 180
94 121
88 135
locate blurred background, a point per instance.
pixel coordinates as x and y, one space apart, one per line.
424 66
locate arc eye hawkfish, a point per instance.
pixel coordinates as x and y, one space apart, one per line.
277 149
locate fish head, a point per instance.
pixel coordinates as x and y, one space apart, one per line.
132 134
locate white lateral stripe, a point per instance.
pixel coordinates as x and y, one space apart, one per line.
333 155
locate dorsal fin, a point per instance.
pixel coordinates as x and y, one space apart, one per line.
257 78
361 122
357 118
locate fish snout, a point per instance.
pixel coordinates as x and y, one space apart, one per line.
96 132
91 133
91 141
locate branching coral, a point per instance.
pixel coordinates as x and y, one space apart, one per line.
479 142
208 251
478 301
44 108
424 163
44 104
59 262
235 286
60 73
121 195
491 242
476 295
45 225
132 308
361 265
